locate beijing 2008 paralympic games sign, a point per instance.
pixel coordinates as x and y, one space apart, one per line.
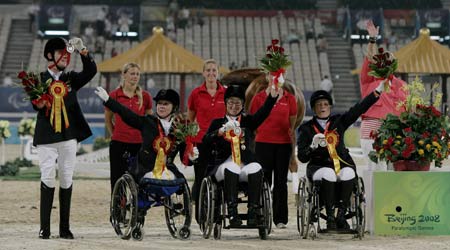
412 203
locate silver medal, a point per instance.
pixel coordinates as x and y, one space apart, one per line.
70 48
237 131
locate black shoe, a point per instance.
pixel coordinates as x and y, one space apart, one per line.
331 222
66 234
44 234
235 221
253 217
341 221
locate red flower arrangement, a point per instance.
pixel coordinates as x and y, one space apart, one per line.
275 62
185 131
421 133
35 89
51 91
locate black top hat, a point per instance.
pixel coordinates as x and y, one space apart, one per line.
320 94
168 95
52 45
235 91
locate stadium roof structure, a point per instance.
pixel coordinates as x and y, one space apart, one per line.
157 54
423 55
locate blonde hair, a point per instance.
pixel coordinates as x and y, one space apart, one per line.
210 61
138 90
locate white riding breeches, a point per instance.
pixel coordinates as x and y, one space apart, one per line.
61 153
243 171
329 174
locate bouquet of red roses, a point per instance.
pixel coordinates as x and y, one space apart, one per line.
275 62
36 90
185 131
383 66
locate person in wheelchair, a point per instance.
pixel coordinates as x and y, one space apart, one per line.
158 149
320 144
232 161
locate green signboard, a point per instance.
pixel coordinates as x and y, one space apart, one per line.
412 203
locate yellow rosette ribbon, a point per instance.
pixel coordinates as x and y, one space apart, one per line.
58 89
234 139
332 138
162 146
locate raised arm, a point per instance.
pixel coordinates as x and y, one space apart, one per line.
258 118
79 79
368 83
129 117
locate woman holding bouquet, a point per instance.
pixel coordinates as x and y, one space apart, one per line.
126 140
371 120
159 147
60 124
275 138
232 160
320 144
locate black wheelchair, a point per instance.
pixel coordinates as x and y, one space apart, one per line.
310 210
131 200
213 214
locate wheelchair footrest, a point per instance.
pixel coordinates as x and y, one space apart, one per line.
338 231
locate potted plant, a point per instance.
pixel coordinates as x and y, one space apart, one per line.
419 136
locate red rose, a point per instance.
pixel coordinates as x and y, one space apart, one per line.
426 134
435 111
390 141
380 50
406 153
407 130
22 74
408 140
275 41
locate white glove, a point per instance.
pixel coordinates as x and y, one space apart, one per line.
101 92
380 87
230 125
316 141
77 43
194 155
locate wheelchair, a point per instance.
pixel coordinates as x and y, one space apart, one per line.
310 211
130 202
212 209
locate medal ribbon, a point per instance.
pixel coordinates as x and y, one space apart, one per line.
161 145
235 144
58 89
332 138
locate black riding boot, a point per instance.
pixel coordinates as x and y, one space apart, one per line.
46 210
231 183
254 197
345 191
65 196
327 190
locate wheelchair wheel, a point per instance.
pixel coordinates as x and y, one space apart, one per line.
359 209
206 207
123 209
178 212
184 233
303 210
266 201
137 233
